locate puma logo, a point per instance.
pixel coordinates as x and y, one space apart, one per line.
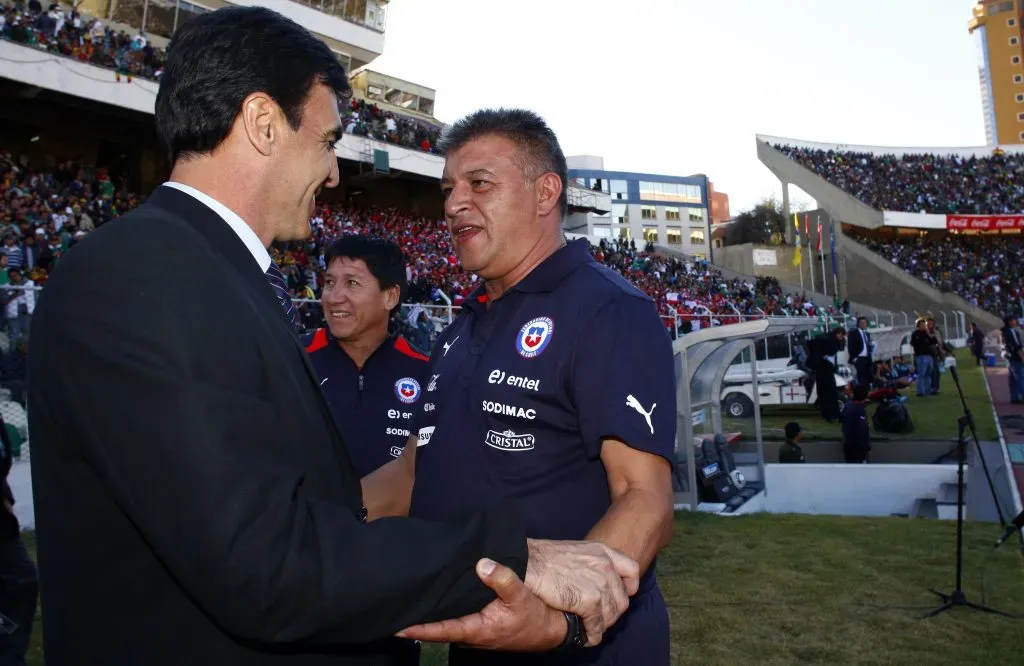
324 381
635 404
448 345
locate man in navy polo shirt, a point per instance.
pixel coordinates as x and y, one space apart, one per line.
373 381
555 387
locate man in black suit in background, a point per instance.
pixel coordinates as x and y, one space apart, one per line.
195 503
861 349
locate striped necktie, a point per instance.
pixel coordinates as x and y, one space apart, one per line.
276 281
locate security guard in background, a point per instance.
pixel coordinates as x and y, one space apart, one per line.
555 388
373 381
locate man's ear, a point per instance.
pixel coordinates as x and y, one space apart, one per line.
258 121
391 297
549 191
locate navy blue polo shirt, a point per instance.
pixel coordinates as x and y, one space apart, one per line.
374 406
521 395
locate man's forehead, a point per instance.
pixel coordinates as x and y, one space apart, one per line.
487 153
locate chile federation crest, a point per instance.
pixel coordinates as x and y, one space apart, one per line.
407 390
534 336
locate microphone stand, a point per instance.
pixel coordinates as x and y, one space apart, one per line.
957 596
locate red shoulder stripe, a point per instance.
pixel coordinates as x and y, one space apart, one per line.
403 346
318 342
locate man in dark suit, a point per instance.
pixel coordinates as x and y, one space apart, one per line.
195 502
18 585
861 349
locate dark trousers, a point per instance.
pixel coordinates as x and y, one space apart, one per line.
18 594
863 366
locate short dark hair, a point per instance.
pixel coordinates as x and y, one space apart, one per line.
524 128
860 392
217 59
383 258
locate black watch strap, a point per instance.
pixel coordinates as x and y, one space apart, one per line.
575 636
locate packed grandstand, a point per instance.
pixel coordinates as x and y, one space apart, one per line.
982 268
44 213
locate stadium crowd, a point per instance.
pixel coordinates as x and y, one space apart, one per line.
984 270
44 213
940 184
67 33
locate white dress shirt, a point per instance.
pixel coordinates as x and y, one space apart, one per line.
237 224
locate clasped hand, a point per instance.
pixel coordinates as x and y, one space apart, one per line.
585 578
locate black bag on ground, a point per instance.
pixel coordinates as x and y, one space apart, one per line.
892 416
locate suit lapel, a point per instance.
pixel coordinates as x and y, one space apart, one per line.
226 243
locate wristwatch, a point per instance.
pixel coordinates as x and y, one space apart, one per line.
576 636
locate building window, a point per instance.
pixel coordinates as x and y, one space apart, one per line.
1022 136
671 214
619 214
1015 60
670 192
696 236
696 214
1020 116
674 235
648 213
624 233
1020 98
1001 8
1014 41
1012 22
600 185
619 189
650 234
603 231
1018 78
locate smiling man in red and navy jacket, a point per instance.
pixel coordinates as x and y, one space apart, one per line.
373 381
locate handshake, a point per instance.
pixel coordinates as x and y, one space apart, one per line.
584 578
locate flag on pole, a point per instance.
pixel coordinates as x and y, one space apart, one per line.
819 235
797 258
832 245
807 234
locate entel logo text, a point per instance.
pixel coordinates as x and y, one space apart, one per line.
499 377
395 414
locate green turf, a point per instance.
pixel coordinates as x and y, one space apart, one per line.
934 417
788 589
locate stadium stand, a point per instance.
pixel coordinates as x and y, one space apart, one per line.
44 213
984 270
897 207
921 183
68 33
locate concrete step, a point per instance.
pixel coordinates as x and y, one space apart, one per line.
925 507
948 493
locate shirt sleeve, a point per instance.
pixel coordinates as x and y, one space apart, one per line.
624 384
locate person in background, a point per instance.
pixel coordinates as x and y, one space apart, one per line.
940 354
861 349
372 379
856 434
790 451
976 341
18 582
1013 341
924 345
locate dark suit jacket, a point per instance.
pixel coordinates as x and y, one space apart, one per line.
195 503
855 344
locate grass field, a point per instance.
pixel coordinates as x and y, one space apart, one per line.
787 589
934 417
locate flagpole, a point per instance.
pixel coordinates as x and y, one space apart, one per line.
835 268
810 250
821 256
798 260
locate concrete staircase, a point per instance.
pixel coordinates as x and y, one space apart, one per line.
940 507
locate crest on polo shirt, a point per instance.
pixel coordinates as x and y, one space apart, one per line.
407 390
534 336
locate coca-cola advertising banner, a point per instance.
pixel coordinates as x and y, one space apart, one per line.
984 222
